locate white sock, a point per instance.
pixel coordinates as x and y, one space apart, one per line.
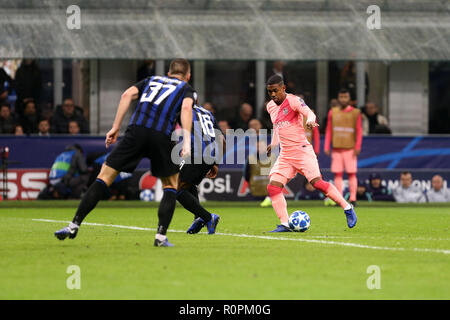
285 224
348 207
160 237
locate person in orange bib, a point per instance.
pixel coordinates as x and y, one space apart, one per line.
344 131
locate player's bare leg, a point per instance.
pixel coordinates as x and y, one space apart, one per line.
96 192
166 209
331 192
352 186
275 190
338 181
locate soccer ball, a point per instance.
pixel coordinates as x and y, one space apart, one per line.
147 195
299 221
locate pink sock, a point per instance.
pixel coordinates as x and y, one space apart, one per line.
278 202
338 182
352 185
331 192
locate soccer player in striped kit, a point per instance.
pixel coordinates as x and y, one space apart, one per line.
287 112
206 138
148 135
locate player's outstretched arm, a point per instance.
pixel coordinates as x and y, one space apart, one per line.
129 95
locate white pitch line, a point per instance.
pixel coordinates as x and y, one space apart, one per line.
240 235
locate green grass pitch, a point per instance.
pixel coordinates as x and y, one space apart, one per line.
409 244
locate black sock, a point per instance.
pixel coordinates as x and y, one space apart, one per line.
93 195
194 191
166 209
189 202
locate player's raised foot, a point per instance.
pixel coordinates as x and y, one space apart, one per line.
267 202
70 231
212 224
196 226
351 217
163 243
281 228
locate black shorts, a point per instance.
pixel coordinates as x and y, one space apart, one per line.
140 142
194 173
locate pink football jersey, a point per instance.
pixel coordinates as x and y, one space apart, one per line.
287 120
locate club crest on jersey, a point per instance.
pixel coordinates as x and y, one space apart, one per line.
285 111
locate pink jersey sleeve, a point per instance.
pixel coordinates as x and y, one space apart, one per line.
297 104
326 147
358 132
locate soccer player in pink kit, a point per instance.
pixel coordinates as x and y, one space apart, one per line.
297 155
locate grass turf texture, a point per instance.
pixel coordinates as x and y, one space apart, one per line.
121 263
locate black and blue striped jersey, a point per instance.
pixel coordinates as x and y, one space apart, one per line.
160 100
204 135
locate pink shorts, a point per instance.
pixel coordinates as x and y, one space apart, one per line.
288 165
344 160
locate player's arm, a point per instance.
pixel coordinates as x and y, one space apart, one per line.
212 173
328 133
274 142
300 106
359 135
132 93
186 124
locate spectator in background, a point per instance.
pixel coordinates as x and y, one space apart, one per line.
224 126
28 83
74 128
406 192
377 191
308 192
44 128
4 77
7 119
29 119
333 103
278 68
348 80
372 121
438 193
208 106
146 70
361 192
66 113
245 114
255 124
18 130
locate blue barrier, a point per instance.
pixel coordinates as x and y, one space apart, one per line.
382 152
